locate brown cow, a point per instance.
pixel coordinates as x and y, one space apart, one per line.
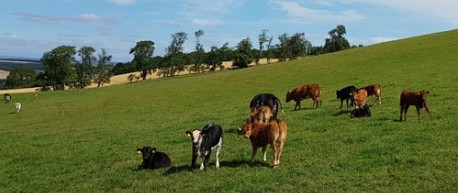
418 99
261 114
303 92
374 89
360 97
262 134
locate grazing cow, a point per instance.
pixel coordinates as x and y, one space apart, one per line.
203 141
346 94
17 107
7 97
416 98
361 112
153 159
262 114
360 97
303 92
266 99
263 134
374 89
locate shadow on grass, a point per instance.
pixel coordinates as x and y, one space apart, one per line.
224 164
342 112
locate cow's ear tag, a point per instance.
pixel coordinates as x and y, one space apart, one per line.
139 152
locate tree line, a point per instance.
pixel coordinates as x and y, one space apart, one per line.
61 67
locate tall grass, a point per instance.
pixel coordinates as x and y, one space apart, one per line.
85 140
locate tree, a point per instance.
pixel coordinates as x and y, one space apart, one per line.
282 49
103 71
243 54
298 45
58 65
262 39
268 53
198 57
214 58
176 59
336 40
143 51
21 78
84 69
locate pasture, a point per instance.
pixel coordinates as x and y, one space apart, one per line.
86 140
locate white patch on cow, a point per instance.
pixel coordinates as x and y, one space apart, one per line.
218 148
17 107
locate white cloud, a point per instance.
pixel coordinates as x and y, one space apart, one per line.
123 2
50 19
303 14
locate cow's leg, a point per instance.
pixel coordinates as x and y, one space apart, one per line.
253 154
427 110
280 149
298 104
275 149
193 163
341 103
400 116
264 153
418 112
405 112
205 160
218 148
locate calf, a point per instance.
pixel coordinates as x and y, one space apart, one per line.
7 97
418 99
263 134
267 99
153 159
261 114
17 107
203 141
303 92
374 89
346 94
360 97
361 112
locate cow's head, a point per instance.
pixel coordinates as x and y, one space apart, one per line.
287 97
246 128
423 95
196 136
146 152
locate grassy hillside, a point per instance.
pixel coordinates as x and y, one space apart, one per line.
86 140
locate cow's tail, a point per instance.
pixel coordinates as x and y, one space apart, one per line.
281 107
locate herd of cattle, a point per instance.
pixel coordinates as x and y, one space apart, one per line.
263 127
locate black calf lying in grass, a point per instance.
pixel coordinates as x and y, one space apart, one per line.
153 159
361 112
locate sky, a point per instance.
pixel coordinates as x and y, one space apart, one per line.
29 28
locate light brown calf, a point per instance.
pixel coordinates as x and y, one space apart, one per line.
360 98
262 114
303 92
374 89
415 98
263 134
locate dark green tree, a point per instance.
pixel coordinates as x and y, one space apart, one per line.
243 55
84 68
262 38
58 65
214 58
175 57
336 40
297 45
143 51
198 56
21 78
103 71
283 51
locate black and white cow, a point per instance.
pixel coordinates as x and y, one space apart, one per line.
7 97
345 94
361 112
203 141
153 159
266 99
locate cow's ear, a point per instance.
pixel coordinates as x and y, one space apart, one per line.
240 128
427 92
153 150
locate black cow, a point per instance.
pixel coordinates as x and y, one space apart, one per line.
7 97
266 99
203 141
361 112
345 94
153 159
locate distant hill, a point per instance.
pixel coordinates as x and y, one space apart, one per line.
10 64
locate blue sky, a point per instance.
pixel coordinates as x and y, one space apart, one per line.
28 28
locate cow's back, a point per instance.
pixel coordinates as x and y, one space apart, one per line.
213 132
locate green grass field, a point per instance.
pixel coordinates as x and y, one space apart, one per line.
86 140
